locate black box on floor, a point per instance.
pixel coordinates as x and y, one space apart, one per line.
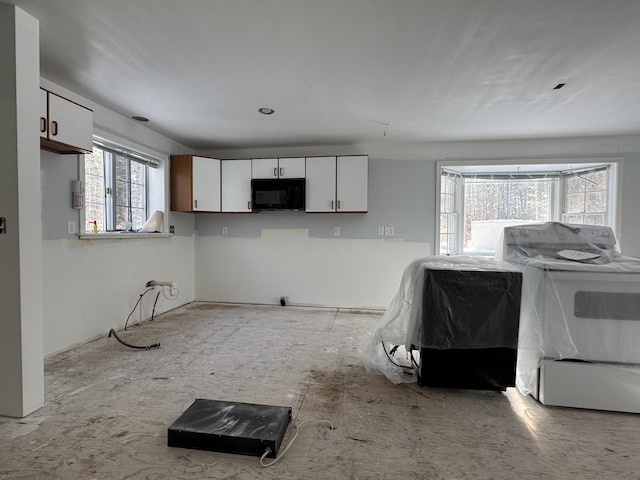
470 329
230 427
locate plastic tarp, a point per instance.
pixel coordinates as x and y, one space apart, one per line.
580 297
404 324
580 301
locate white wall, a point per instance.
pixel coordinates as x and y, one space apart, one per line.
21 366
90 286
360 273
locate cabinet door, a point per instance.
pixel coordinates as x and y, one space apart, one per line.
320 184
352 183
236 185
70 123
44 123
206 184
291 167
264 168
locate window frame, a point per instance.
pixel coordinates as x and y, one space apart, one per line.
155 187
614 187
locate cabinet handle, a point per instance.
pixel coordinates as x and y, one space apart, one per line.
275 172
54 129
281 171
248 205
196 203
43 124
338 204
331 204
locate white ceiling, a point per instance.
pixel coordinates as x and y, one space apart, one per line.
337 71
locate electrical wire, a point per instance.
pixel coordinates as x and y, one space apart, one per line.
406 368
153 310
268 450
135 306
137 347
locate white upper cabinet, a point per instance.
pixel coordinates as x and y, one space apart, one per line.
264 168
291 167
352 183
236 186
65 126
278 167
320 188
194 184
337 184
206 184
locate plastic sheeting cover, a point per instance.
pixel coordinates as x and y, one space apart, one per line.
404 322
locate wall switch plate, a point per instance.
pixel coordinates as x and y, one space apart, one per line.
381 231
172 229
3 225
225 231
336 231
71 227
389 231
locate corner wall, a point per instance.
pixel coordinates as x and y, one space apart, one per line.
91 286
21 365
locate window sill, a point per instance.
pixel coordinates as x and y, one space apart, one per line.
122 235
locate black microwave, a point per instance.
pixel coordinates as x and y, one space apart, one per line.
278 194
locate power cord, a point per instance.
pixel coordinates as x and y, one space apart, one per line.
137 347
268 450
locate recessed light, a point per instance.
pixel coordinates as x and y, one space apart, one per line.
266 110
139 118
559 86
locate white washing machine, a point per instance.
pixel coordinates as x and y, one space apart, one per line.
579 342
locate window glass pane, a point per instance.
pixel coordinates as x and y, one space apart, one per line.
574 184
573 218
122 214
122 170
594 219
137 218
492 204
137 196
137 173
122 193
596 180
94 190
596 202
574 203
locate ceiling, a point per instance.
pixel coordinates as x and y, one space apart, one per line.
342 72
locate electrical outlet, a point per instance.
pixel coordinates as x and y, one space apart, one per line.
336 231
389 231
225 231
71 227
172 229
381 231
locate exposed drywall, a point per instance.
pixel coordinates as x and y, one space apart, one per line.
93 285
309 271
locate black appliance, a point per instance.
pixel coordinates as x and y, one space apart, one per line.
278 194
470 326
230 427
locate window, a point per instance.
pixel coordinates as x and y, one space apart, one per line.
585 197
116 188
477 201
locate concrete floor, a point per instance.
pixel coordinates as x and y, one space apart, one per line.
108 408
